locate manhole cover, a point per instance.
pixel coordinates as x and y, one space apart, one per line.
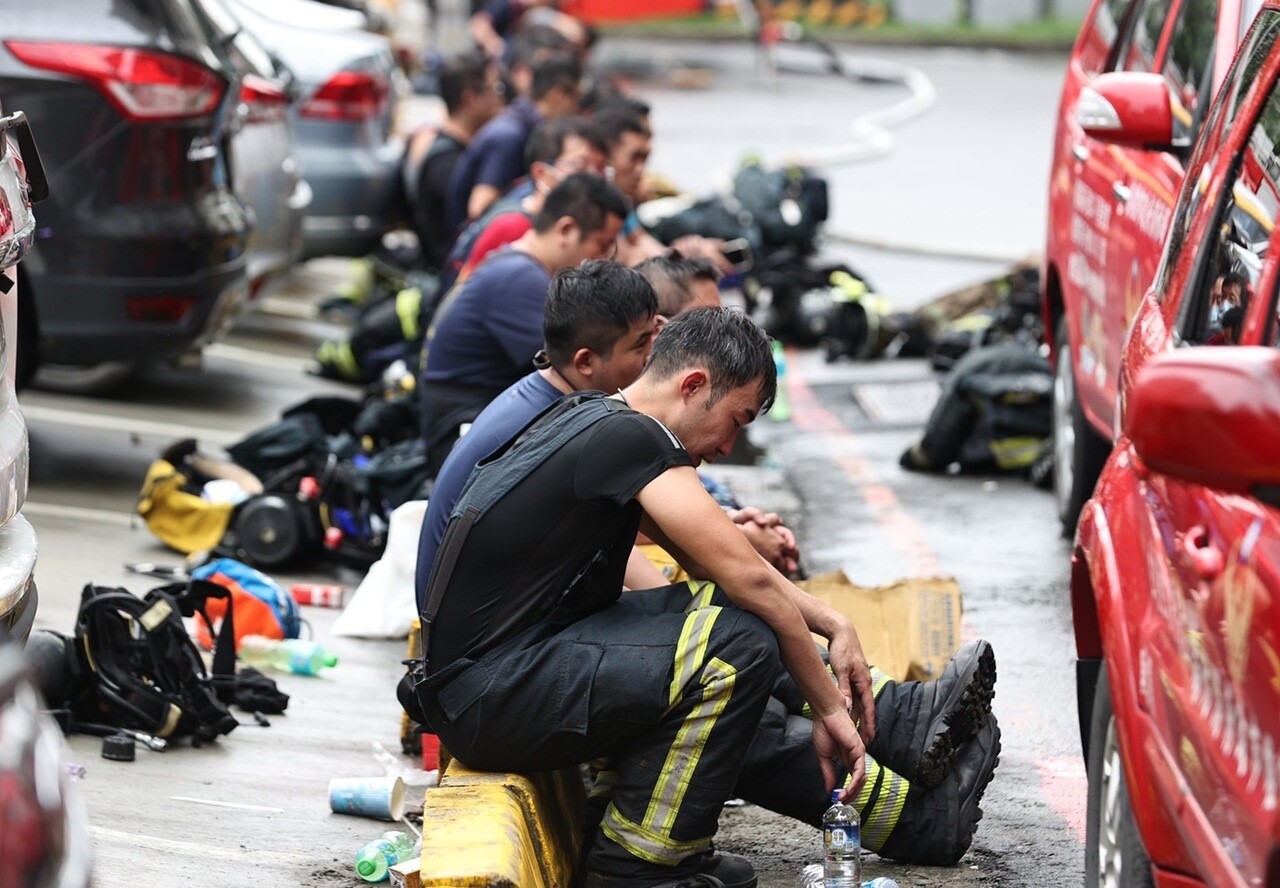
897 403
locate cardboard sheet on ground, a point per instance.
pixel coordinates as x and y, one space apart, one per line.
909 628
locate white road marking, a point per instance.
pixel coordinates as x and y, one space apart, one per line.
79 514
256 358
128 425
171 845
287 308
218 804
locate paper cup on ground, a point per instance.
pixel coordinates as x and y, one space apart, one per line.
379 797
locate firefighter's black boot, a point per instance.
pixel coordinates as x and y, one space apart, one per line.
921 724
936 826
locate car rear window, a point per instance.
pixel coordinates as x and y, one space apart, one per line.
224 29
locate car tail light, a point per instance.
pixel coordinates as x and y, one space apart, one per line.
158 309
141 85
349 95
264 100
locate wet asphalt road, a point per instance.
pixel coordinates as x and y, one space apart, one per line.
967 177
998 537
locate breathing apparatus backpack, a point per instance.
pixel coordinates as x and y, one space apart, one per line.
134 665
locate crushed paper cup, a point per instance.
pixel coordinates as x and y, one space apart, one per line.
379 797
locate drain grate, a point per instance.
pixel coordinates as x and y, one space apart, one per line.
905 403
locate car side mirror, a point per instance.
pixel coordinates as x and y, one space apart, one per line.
1128 108
1210 415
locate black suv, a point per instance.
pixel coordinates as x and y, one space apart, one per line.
139 256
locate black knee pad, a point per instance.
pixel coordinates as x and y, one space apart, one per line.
408 698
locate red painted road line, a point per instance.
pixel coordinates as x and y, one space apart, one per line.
904 532
1066 787
1062 778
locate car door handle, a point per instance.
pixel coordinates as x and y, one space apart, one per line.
1206 559
1121 191
1080 151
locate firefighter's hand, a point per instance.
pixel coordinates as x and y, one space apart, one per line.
853 675
770 537
835 739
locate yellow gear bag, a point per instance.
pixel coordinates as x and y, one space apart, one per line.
182 520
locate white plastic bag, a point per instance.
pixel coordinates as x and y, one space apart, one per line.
384 605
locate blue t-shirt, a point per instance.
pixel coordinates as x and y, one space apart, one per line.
487 332
503 418
495 157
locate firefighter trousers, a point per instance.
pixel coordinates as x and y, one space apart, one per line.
670 687
781 773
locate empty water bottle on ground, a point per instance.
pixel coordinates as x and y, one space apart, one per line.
288 655
841 845
374 860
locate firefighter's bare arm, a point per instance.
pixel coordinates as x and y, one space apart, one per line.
848 662
684 519
641 574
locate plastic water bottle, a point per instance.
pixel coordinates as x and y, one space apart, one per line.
841 845
781 409
375 859
811 877
290 655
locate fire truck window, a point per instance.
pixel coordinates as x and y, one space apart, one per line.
1231 263
1141 52
1188 67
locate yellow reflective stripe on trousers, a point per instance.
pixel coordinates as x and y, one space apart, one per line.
1015 453
691 650
879 678
685 753
700 592
646 844
880 818
341 357
409 311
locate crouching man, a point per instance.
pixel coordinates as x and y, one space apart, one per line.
534 660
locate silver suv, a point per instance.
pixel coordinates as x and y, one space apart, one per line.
22 183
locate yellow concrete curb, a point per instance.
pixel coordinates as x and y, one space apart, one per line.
501 830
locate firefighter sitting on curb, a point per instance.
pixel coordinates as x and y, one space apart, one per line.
782 773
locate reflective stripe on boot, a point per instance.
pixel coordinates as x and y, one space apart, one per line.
880 803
